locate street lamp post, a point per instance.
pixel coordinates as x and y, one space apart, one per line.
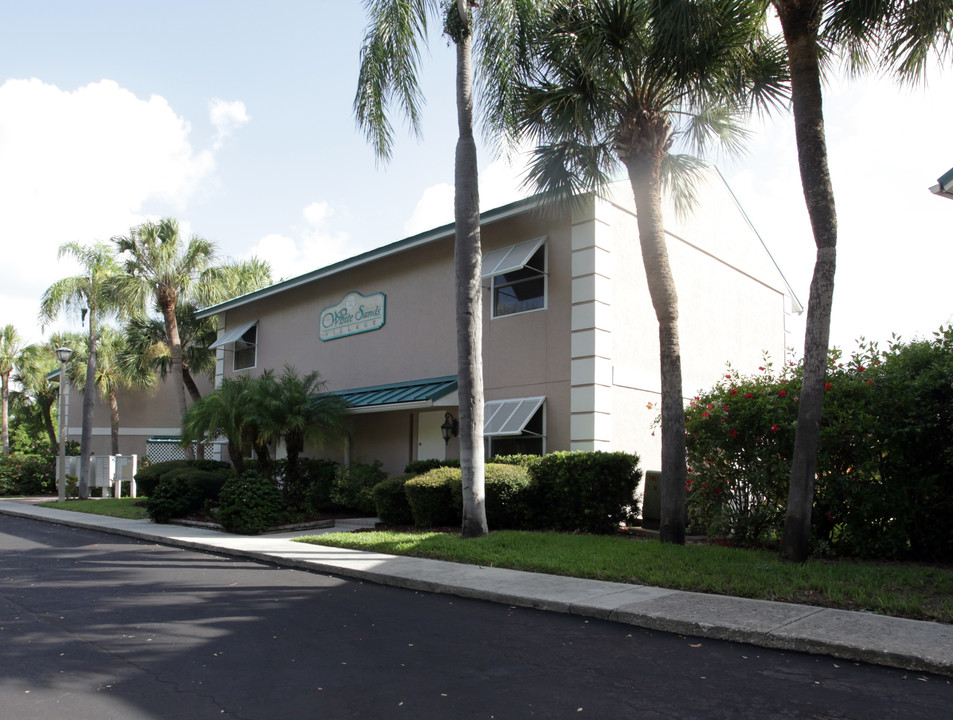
63 354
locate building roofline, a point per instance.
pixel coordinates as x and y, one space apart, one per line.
428 236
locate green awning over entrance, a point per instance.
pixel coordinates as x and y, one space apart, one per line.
402 395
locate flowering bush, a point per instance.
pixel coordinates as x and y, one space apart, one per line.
884 485
22 474
740 438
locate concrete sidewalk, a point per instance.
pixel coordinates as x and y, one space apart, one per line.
909 644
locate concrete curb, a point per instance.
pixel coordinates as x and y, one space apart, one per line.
895 642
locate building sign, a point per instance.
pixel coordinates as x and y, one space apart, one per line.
355 314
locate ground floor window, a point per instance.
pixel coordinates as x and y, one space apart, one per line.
515 427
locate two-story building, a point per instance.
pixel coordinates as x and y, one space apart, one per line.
570 337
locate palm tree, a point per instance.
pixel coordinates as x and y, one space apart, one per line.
148 339
618 82
163 269
37 361
296 409
901 35
389 62
94 294
9 358
116 368
223 412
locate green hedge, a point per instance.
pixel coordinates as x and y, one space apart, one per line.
507 490
431 498
182 491
148 477
310 488
391 500
584 491
353 484
419 467
249 504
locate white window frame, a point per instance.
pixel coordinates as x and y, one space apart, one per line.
497 263
241 346
501 413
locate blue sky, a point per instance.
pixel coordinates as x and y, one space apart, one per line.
235 117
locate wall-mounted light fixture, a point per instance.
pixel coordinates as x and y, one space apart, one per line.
450 428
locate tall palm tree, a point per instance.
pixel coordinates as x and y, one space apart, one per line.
162 269
617 83
390 57
37 361
116 368
92 296
148 339
10 350
900 35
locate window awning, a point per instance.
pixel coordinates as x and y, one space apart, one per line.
508 259
509 417
399 396
233 334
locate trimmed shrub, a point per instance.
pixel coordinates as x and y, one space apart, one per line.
431 497
507 490
419 467
353 485
184 490
391 501
309 488
526 461
584 491
148 477
249 504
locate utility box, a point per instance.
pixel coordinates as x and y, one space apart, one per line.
108 472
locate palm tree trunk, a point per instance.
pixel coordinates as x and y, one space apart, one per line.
645 178
89 390
178 377
799 22
114 421
469 302
5 412
48 425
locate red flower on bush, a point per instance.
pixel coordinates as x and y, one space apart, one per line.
734 391
860 368
733 432
749 395
705 414
782 393
775 428
827 386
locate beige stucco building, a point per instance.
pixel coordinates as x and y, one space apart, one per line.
570 345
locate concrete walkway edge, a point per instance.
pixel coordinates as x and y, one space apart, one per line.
896 642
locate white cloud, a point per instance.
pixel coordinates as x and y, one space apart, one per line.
500 184
226 117
317 244
79 166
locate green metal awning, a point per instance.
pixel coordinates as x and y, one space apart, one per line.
399 396
944 185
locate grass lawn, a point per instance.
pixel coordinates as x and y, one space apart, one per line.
922 592
114 507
